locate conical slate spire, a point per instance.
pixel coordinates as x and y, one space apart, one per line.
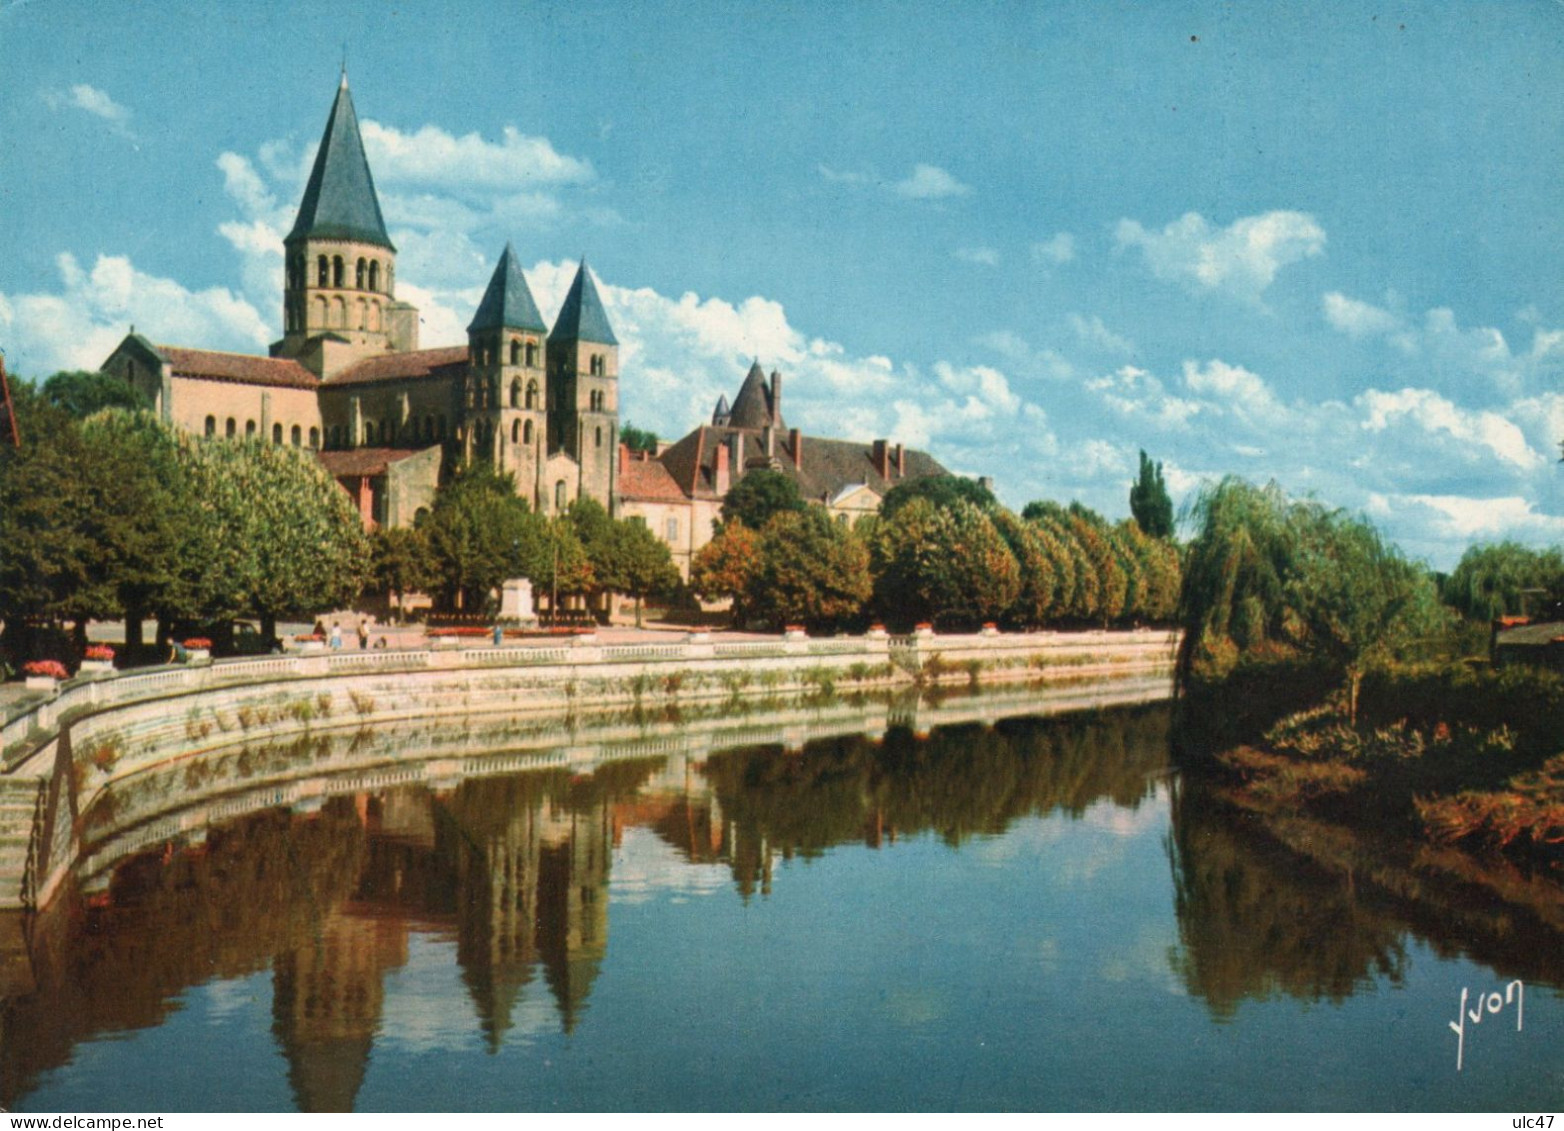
508 301
339 201
720 414
754 407
582 317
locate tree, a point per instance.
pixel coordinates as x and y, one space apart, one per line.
272 534
1501 579
643 565
759 495
947 565
727 566
812 572
1149 501
1038 583
479 534
637 439
400 562
1083 598
941 490
81 393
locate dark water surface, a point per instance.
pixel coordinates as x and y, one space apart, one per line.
1037 914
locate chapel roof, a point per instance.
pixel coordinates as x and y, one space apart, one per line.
446 361
242 368
507 302
339 200
582 317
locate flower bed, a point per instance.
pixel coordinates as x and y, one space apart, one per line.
101 652
44 669
197 642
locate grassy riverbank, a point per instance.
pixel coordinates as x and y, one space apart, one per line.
1453 755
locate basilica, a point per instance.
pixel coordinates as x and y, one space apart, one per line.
387 418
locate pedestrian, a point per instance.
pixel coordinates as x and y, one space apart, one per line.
336 636
363 634
499 634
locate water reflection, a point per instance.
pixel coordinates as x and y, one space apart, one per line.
327 902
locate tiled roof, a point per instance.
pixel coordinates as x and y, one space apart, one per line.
648 479
353 462
243 368
507 302
582 317
444 362
339 200
828 466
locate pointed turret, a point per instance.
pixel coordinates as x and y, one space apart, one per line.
757 405
507 303
582 317
339 201
721 414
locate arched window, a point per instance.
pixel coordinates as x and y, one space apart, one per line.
374 275
515 431
232 427
363 315
596 365
297 436
336 270
532 353
323 272
532 394
526 432
559 496
249 427
361 276
600 435
211 426
515 353
515 393
276 433
314 438
320 312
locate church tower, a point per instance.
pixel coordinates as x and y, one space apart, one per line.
506 380
583 372
339 291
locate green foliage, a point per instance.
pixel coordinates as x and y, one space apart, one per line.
1038 581
1265 572
479 534
1492 579
80 393
812 572
948 565
1149 500
638 439
272 535
1080 598
400 561
941 490
759 495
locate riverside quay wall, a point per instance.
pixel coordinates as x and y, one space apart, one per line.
109 763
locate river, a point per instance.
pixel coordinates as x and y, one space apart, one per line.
1034 913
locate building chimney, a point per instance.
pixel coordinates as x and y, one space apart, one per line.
736 443
776 396
768 437
901 462
795 441
624 457
881 462
720 477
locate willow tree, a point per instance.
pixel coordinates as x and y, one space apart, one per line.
1495 580
273 535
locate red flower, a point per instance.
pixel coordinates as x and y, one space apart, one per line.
198 642
51 668
99 652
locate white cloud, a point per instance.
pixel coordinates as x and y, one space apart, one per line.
1058 248
984 256
80 325
431 156
1358 319
1134 393
1238 388
1435 414
95 102
930 182
1241 259
1092 332
1463 519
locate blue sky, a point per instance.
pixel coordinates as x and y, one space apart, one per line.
1315 243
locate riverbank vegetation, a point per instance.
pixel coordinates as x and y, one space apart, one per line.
1347 684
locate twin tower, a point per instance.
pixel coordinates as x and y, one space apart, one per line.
540 404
